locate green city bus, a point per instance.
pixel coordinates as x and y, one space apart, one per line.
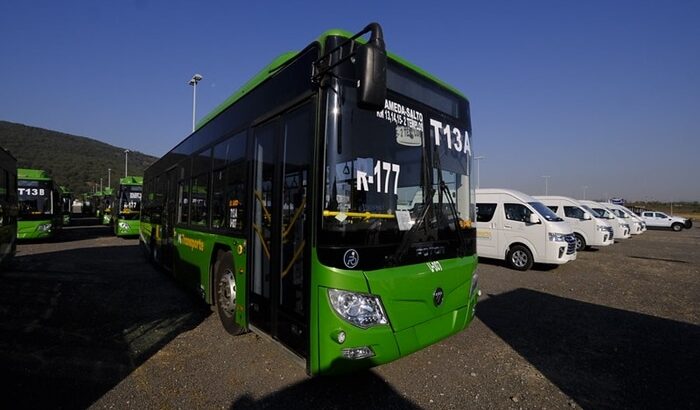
103 201
8 206
40 215
327 205
126 208
66 204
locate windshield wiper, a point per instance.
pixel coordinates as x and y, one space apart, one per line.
408 237
455 216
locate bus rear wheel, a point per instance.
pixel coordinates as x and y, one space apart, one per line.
226 292
519 257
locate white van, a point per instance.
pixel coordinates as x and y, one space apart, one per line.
636 217
519 229
588 230
621 229
633 220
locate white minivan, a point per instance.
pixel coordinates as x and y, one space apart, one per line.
588 230
519 229
621 229
635 222
643 224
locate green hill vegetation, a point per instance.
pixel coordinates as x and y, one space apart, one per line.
75 162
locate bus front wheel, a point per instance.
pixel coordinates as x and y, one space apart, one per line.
226 292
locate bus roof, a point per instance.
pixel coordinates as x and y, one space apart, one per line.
131 180
281 60
33 174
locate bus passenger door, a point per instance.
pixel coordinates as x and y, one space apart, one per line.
282 152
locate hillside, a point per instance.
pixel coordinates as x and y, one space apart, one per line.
75 162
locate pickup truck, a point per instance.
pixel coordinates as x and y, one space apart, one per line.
661 220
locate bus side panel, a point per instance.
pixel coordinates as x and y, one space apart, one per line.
196 254
30 229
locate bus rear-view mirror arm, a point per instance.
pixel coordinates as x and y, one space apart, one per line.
370 66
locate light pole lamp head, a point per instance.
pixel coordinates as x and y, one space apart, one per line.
195 79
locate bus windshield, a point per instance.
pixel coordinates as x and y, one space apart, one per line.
34 198
129 198
396 181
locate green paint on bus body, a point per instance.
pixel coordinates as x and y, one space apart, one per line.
196 254
407 293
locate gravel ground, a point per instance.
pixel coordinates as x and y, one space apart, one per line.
86 322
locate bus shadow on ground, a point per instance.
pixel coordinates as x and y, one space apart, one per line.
364 390
602 357
74 323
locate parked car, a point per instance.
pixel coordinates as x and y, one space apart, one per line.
661 220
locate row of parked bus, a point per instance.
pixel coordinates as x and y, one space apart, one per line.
33 206
523 230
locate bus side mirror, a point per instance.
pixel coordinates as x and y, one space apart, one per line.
586 217
371 71
534 219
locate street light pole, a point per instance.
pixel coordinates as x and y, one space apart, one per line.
109 177
193 82
546 184
126 162
584 191
478 172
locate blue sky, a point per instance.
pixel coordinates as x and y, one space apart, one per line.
601 94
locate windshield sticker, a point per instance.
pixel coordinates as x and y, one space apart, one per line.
456 139
363 179
403 217
408 137
409 123
341 217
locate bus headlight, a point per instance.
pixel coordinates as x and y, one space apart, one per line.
44 228
601 228
358 309
557 237
124 226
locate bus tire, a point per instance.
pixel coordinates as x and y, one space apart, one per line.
677 227
519 257
580 242
225 293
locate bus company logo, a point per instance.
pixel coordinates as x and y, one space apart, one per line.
193 244
438 296
351 258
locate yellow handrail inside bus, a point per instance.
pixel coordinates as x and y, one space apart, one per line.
262 240
294 218
364 215
260 199
297 252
